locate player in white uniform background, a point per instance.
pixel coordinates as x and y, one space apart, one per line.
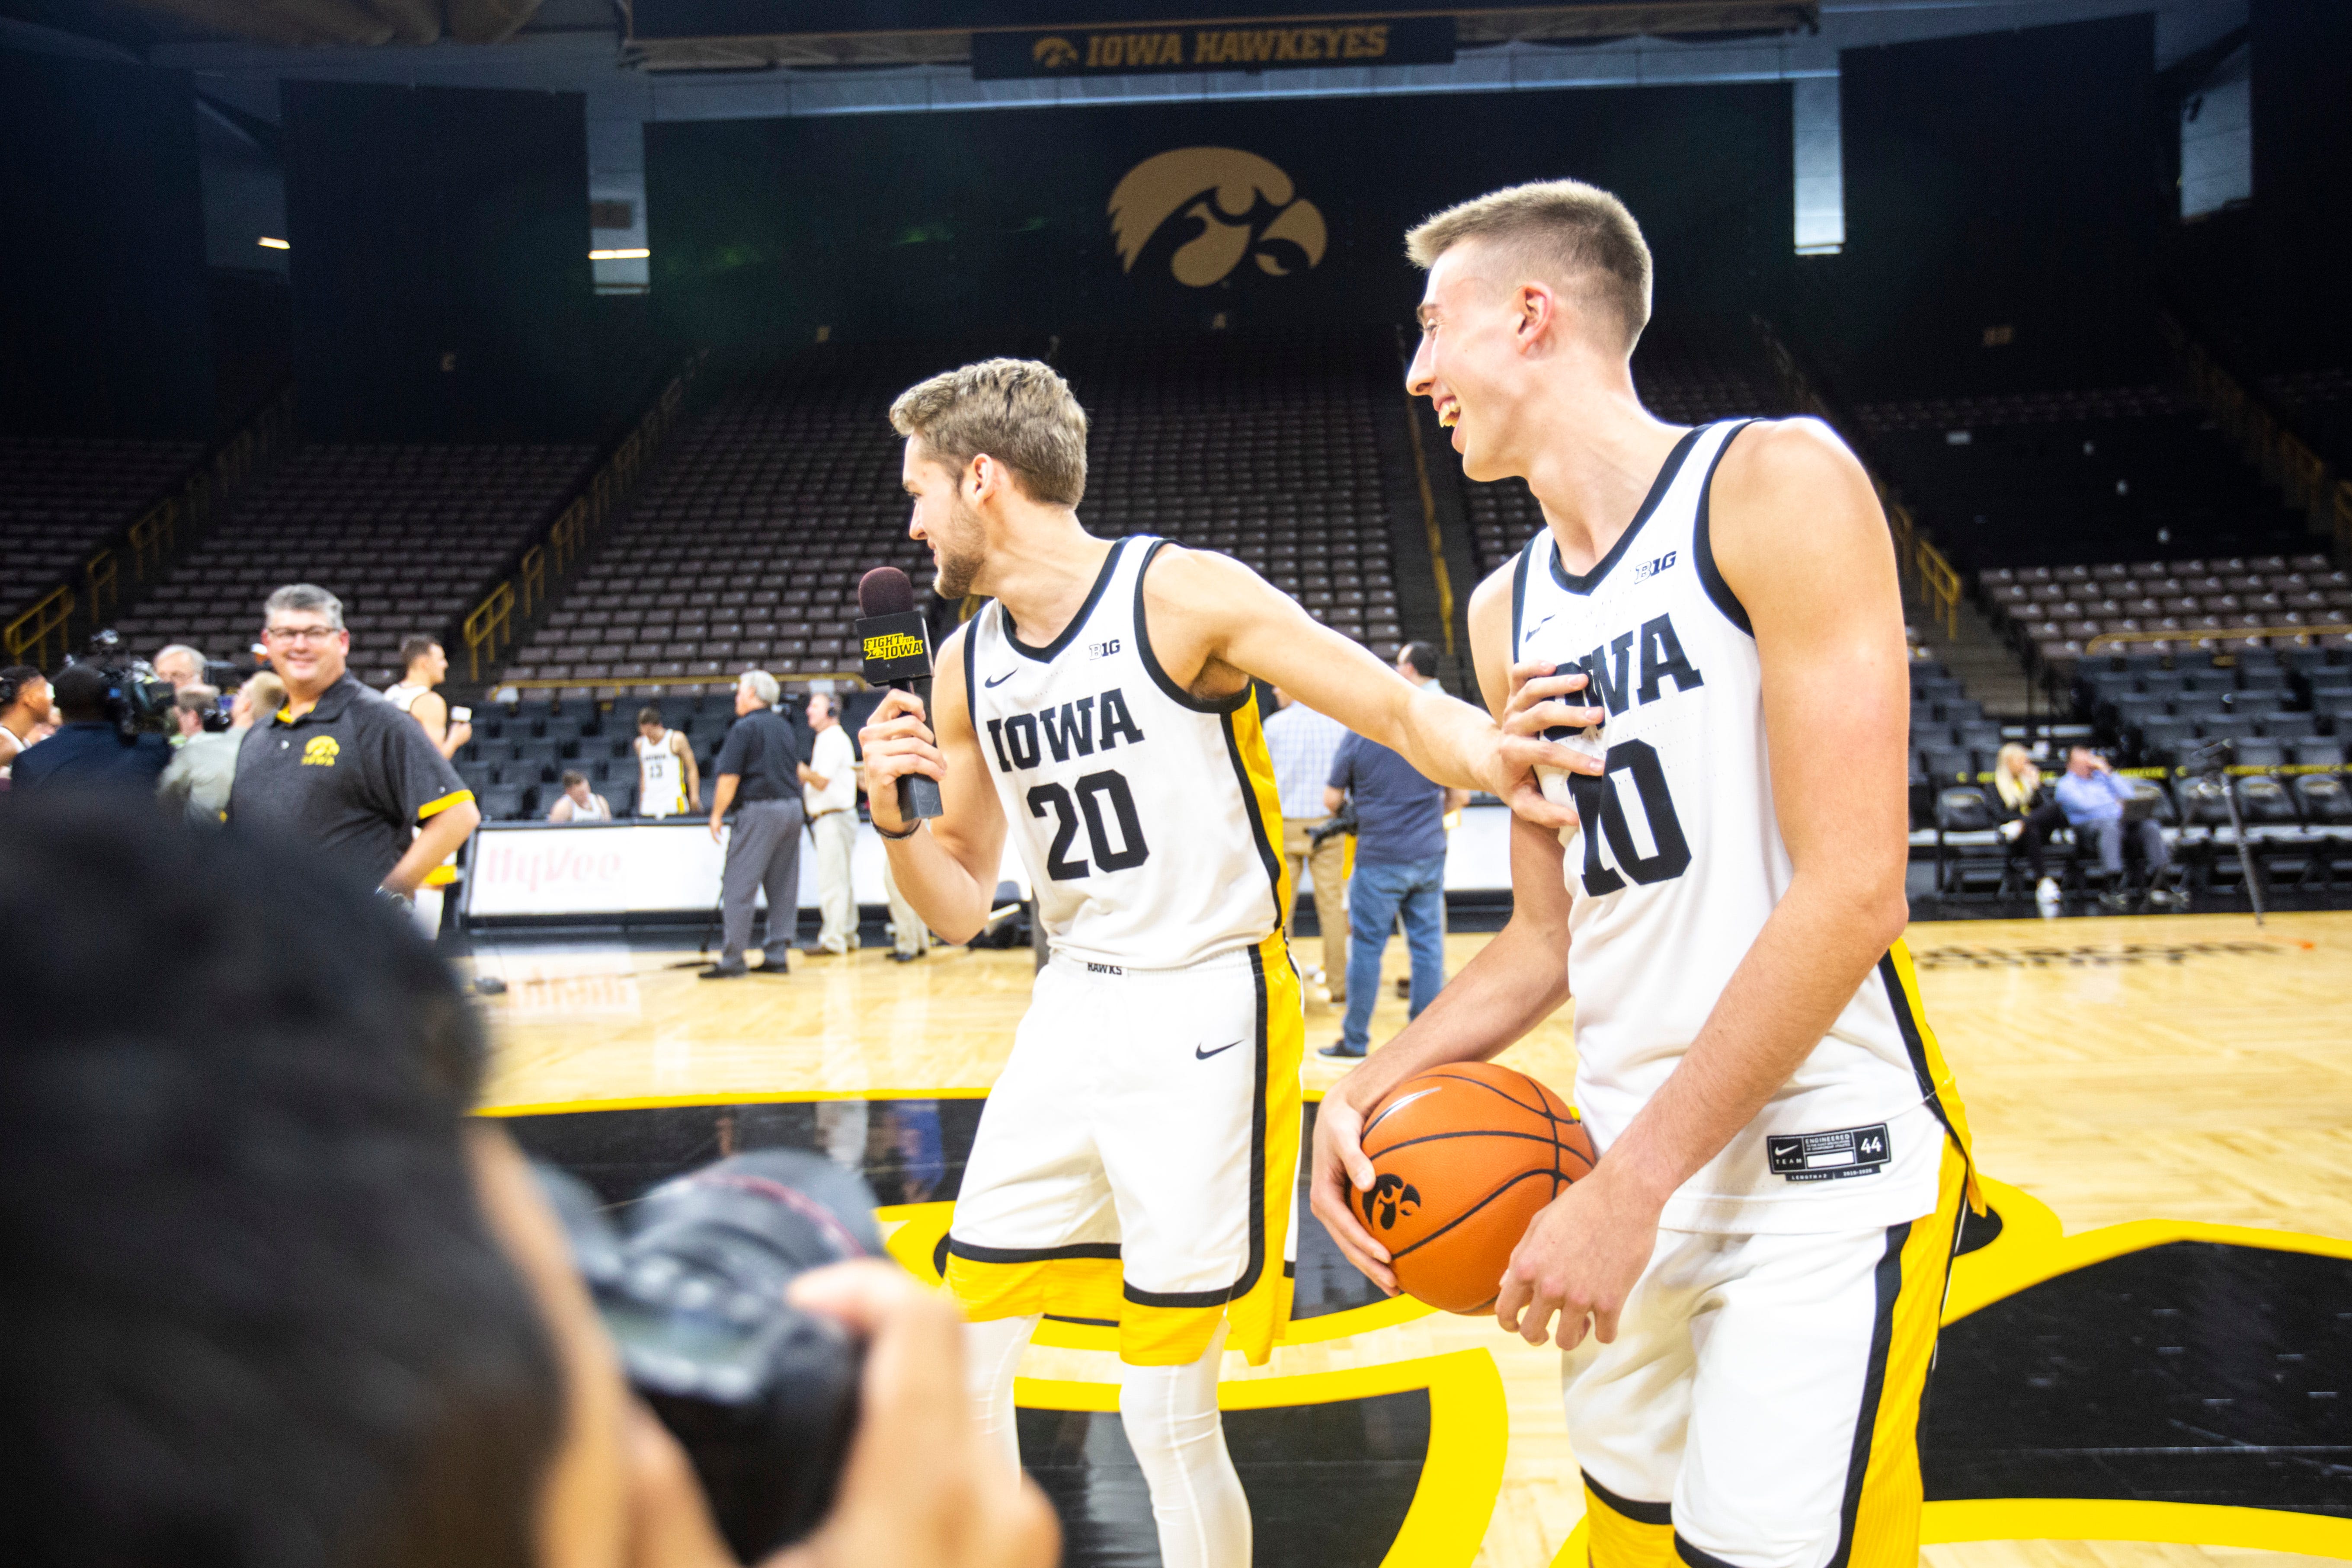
668 781
1135 1161
1761 1252
424 664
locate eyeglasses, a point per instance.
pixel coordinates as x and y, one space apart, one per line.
302 634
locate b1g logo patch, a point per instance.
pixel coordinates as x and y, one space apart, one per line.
1828 1156
320 752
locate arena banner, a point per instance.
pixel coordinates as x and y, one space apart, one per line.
1214 47
1184 216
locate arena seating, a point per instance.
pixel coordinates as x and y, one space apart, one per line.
744 547
2318 402
1683 379
1261 447
62 499
2052 479
2053 613
408 537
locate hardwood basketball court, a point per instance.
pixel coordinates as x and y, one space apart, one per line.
2154 1347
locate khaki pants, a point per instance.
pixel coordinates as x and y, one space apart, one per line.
837 900
1330 866
907 932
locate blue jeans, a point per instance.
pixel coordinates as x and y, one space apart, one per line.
1376 894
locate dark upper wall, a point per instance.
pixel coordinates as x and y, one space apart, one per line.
1998 180
103 321
440 264
929 225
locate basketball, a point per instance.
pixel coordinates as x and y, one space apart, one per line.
1462 1157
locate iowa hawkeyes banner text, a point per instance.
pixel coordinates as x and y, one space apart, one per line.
1214 47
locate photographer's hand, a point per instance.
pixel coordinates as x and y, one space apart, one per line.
915 1421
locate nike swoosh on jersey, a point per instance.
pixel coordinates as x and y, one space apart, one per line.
1001 678
1221 1050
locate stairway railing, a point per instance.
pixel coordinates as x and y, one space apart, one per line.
152 541
489 627
2304 477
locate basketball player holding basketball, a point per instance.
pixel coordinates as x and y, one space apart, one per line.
1747 1283
1137 1159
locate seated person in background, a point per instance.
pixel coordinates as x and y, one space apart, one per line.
2092 798
279 1304
2029 826
88 751
205 767
578 803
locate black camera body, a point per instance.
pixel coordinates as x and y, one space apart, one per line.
763 1397
137 702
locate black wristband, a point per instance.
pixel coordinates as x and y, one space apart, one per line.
907 832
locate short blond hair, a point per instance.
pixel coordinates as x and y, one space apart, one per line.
265 693
1017 411
1582 230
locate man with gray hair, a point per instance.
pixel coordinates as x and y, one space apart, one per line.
337 766
758 774
180 664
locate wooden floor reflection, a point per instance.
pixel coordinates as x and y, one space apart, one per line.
2188 1068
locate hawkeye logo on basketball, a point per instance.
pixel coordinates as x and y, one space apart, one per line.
320 752
1391 1197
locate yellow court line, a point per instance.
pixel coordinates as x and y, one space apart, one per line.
673 1101
2102 1519
1461 1472
2033 1248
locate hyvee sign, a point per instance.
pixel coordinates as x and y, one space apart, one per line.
1397 41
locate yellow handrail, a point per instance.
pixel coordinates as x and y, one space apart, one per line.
30 633
579 683
2304 477
490 624
152 537
2117 639
1940 585
487 626
103 574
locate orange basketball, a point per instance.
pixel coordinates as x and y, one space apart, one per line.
1464 1157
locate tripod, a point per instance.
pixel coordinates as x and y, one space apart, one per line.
2210 759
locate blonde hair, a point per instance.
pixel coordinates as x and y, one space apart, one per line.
1017 411
1580 230
265 694
2016 783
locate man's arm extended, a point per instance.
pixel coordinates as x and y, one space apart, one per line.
1514 983
439 836
1214 623
948 869
1800 538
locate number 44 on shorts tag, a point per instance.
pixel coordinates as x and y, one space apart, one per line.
1828 1156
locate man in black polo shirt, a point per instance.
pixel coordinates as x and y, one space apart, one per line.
341 768
758 774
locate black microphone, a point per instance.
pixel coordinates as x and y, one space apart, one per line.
896 644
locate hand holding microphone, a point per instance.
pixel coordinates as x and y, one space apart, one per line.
896 644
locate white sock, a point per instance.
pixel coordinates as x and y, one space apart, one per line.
1170 1417
994 1351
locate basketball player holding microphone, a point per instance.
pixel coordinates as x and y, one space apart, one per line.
1136 1162
1748 1284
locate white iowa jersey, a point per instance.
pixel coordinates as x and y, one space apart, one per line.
663 777
1677 862
1147 820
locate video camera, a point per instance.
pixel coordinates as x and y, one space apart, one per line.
136 702
763 1397
1341 821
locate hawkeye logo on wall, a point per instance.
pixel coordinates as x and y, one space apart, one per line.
319 752
1245 206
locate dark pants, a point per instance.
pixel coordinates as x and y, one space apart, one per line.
2040 823
763 851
